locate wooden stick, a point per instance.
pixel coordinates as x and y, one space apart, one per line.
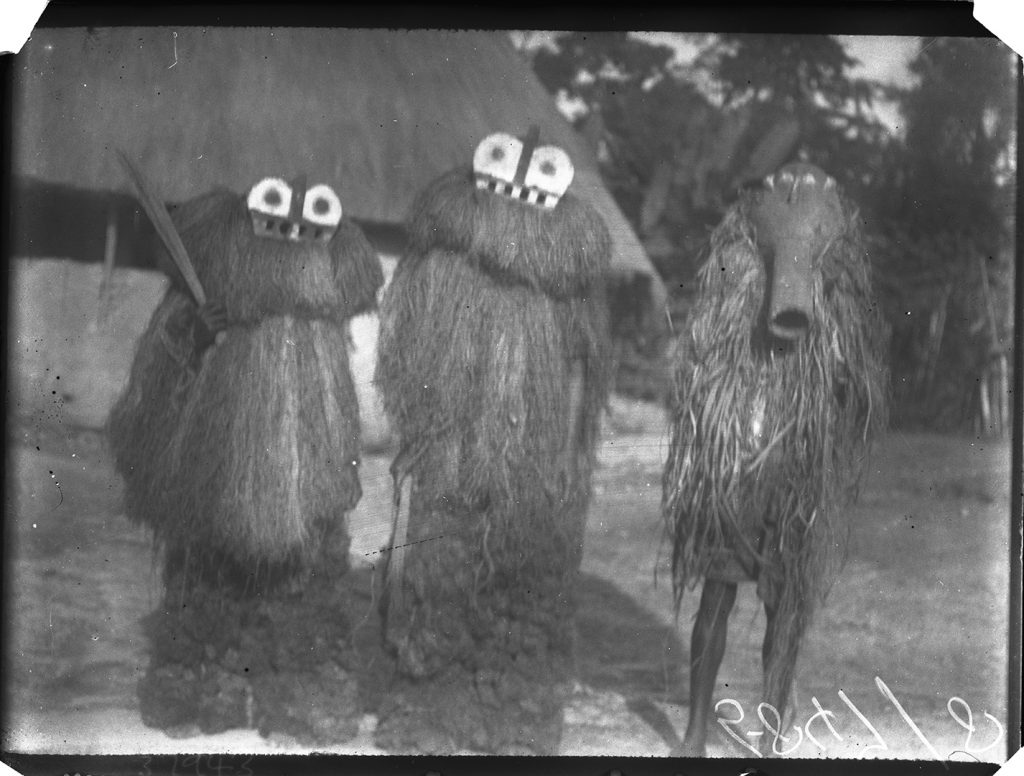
109 255
572 433
161 219
399 539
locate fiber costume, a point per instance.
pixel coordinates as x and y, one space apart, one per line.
780 385
494 365
238 440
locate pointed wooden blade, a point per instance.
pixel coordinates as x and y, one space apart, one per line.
161 219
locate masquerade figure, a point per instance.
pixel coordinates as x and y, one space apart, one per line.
493 365
237 437
780 385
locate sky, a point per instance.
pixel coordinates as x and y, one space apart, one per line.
883 58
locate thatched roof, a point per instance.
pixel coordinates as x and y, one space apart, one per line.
375 113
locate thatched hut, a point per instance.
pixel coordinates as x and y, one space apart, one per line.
377 113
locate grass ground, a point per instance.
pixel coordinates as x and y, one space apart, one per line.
921 609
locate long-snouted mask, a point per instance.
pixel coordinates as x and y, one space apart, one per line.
797 216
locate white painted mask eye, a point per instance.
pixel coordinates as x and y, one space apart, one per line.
550 170
497 156
540 178
272 197
322 206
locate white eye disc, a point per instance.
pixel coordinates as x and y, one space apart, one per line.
271 196
497 156
550 170
322 206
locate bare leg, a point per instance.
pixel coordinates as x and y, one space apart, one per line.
707 647
778 656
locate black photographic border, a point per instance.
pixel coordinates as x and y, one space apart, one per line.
870 17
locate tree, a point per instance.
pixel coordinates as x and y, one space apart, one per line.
630 103
806 78
639 115
676 141
948 231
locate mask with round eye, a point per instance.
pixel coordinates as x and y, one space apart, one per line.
522 170
284 211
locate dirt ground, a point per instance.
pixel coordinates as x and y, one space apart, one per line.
908 654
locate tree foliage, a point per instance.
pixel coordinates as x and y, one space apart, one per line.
946 232
807 77
960 126
630 105
676 142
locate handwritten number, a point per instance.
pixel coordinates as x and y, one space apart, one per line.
969 726
726 723
999 735
770 718
906 717
776 730
824 715
881 741
201 765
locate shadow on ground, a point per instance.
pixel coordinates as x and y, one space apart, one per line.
621 648
922 604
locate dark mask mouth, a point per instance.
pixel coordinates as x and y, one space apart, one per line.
522 170
780 328
791 325
521 193
277 228
280 210
789 293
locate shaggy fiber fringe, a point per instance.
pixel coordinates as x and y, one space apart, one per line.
563 252
476 378
772 445
474 363
258 278
249 447
495 312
